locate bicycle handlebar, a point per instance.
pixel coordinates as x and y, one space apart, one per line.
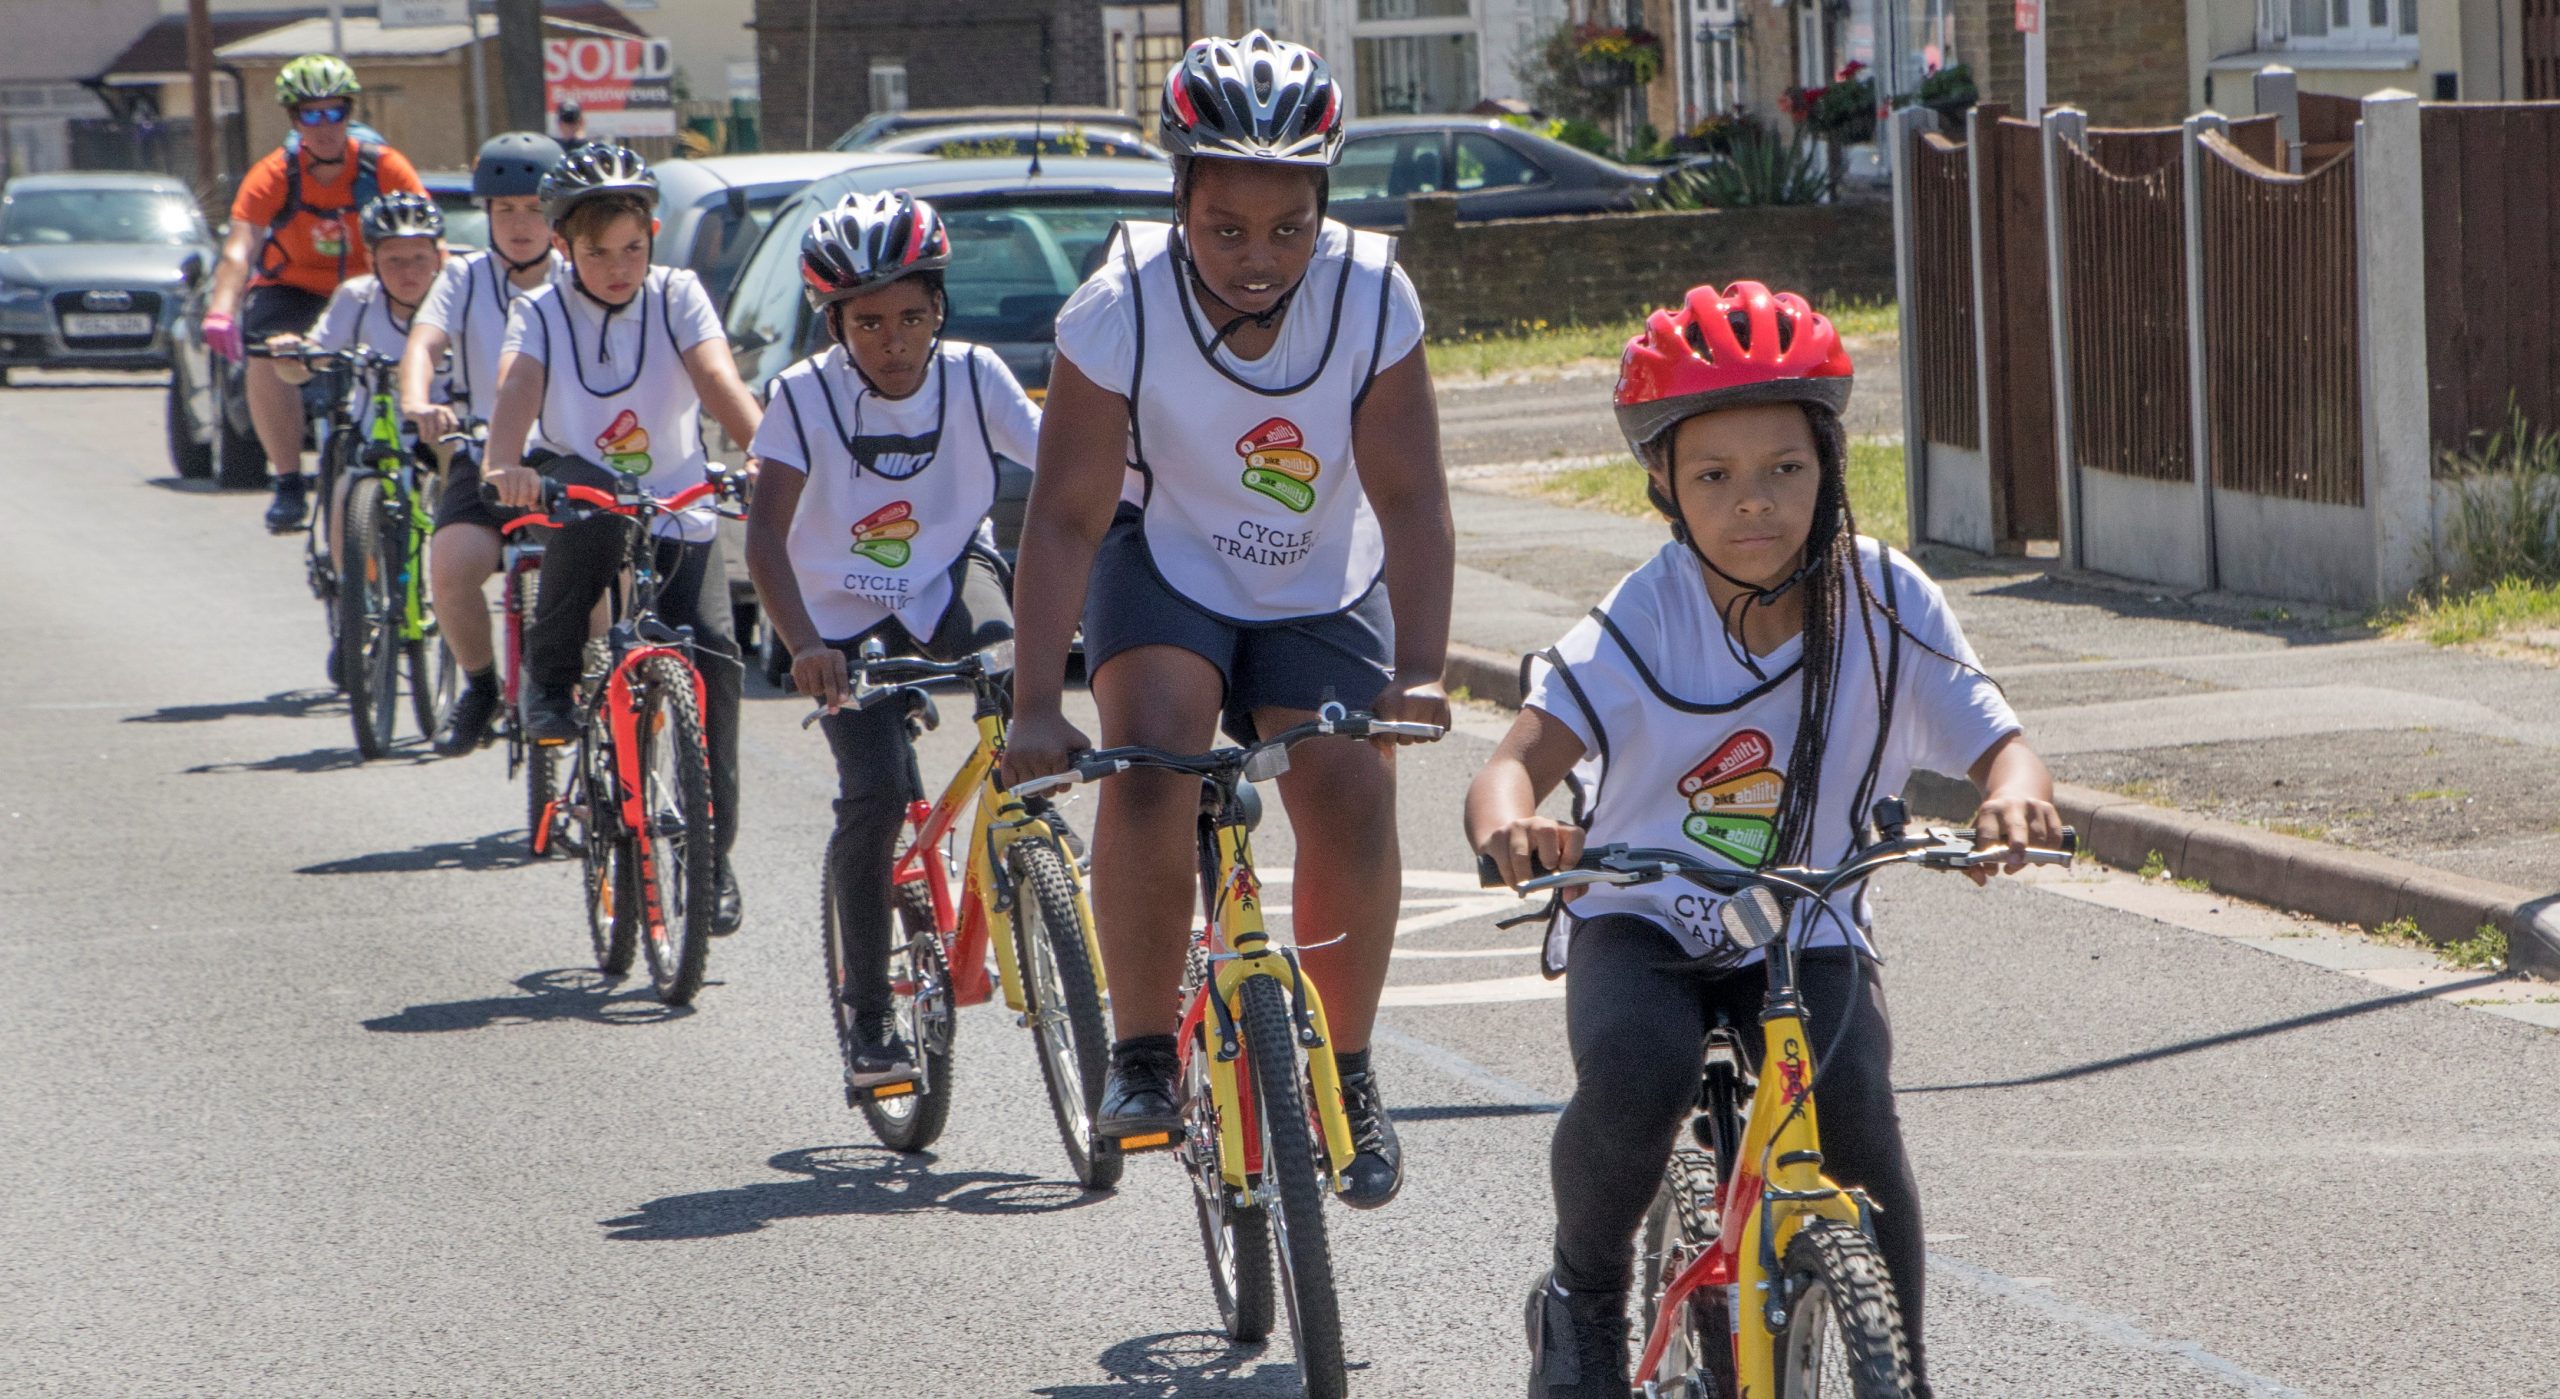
915 673
1935 847
561 498
1332 720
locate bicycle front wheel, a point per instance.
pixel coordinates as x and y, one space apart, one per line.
920 993
1234 1232
1698 1362
434 679
1065 1008
679 859
1292 1188
368 654
1843 1334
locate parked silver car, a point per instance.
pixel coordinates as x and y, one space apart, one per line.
94 269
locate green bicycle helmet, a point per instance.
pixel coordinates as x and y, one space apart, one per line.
315 77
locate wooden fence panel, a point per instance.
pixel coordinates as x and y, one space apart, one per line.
1942 283
2492 261
2540 44
2262 138
2018 326
2328 127
2283 399
2124 270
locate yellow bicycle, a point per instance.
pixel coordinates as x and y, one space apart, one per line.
1259 1152
1021 893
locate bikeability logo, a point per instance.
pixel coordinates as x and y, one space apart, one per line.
625 445
1733 800
882 535
1274 465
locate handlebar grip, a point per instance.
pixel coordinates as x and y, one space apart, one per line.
2070 843
1489 874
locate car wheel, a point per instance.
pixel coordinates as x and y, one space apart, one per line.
191 459
241 460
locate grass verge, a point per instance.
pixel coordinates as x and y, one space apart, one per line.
2509 604
1876 490
1538 345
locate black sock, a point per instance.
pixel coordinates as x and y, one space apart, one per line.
482 679
1351 1061
1160 1048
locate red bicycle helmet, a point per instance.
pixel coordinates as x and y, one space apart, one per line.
1734 348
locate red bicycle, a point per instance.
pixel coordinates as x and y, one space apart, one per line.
636 806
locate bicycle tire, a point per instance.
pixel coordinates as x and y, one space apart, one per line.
678 865
909 1121
1236 1237
1292 1189
1839 1290
363 602
1698 1362
613 904
1064 1006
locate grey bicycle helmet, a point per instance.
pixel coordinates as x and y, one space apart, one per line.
596 169
513 163
1254 98
401 214
870 240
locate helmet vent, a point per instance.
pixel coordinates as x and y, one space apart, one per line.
1697 342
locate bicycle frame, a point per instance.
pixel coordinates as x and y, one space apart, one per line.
383 449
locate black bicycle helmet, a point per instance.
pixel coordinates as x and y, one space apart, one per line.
401 214
1254 98
513 163
593 169
870 240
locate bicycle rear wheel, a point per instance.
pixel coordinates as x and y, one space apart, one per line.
1843 1337
609 862
367 652
1065 1008
1234 1233
920 991
1292 1189
678 858
1681 1225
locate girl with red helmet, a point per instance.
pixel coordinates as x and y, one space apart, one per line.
1833 670
870 523
1241 459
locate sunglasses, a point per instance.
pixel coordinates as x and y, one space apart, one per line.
330 115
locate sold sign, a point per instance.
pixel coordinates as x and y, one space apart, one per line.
623 85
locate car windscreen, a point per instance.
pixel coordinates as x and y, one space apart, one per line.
466 223
722 239
1014 264
97 216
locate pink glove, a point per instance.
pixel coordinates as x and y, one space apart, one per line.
222 335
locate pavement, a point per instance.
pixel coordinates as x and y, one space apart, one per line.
313 1092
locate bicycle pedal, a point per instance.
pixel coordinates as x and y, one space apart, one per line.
1147 1141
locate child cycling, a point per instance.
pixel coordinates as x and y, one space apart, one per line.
1240 496
406 235
878 470
466 315
1749 691
613 362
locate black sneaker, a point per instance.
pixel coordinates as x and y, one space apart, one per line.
1376 1171
1577 1343
291 506
728 906
880 1056
1138 1099
466 724
550 713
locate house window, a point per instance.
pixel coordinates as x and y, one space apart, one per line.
1417 73
888 84
2338 24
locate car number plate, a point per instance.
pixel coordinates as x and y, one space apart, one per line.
106 323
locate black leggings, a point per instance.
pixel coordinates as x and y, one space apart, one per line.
1637 1020
876 774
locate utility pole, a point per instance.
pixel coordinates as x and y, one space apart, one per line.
200 91
338 27
479 79
520 64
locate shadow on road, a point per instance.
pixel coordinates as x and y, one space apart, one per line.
847 1180
283 704
2205 1042
180 485
320 760
497 851
564 993
1468 1112
1187 1364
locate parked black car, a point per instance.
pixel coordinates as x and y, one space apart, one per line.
1020 245
1497 171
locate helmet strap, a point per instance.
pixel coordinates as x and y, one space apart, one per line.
835 332
1261 320
514 267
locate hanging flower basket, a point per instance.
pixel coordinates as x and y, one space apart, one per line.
1610 57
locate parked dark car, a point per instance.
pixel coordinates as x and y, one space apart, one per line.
1497 171
1016 137
1019 246
466 224
879 126
711 211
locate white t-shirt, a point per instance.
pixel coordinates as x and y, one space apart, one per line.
1098 328
1684 748
360 313
469 303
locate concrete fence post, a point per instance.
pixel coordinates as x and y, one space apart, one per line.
2199 409
1903 131
2062 125
2275 93
2391 351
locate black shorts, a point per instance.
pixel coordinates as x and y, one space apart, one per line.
1296 664
460 502
277 309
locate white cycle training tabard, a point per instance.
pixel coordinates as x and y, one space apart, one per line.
615 388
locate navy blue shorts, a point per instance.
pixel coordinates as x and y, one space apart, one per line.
1298 664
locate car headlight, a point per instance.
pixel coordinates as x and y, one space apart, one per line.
18 296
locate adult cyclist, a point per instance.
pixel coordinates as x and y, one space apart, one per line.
295 236
466 315
1240 494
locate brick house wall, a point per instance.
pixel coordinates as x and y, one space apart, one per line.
957 53
2124 62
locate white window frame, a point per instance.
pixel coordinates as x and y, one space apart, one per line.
2397 34
888 85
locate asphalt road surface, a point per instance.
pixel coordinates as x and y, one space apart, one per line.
310 1091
